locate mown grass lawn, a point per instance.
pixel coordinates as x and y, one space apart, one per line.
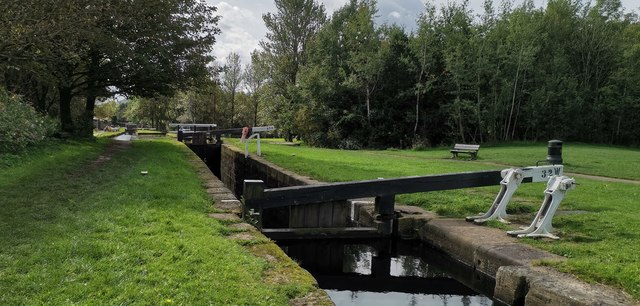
76 232
601 240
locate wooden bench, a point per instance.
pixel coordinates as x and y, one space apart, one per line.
465 148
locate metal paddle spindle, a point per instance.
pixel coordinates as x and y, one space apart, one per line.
557 187
511 180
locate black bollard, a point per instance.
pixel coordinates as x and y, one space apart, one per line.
554 152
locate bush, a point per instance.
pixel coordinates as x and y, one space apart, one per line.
350 144
21 125
420 143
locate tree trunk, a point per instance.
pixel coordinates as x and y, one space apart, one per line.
65 109
255 112
86 125
213 98
478 111
368 98
513 96
86 130
41 100
415 127
460 124
233 98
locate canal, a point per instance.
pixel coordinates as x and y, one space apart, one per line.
388 272
371 272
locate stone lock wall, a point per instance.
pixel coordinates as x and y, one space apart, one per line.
235 168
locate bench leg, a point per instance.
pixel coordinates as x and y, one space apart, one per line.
454 155
474 156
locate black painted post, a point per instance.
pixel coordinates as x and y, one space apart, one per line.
384 207
554 152
253 193
381 262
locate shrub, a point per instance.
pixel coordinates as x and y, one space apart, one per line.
21 125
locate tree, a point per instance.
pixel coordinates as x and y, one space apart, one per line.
255 75
425 46
290 30
157 112
363 44
136 48
106 110
456 29
232 79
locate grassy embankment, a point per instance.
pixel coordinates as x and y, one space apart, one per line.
73 231
601 240
102 134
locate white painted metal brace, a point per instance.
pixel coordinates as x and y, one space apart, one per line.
256 134
541 226
511 179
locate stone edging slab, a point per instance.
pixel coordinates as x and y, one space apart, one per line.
511 263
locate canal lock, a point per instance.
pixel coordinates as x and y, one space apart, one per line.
391 271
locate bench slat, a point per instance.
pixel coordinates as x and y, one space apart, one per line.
466 147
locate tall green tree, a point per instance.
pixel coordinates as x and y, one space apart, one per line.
232 79
363 44
290 29
427 47
255 76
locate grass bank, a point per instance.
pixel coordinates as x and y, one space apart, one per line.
79 229
600 231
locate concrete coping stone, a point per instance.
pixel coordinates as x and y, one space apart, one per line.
482 247
243 227
245 236
225 217
218 197
216 190
233 206
214 184
542 286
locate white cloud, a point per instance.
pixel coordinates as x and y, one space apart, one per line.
395 15
242 29
332 5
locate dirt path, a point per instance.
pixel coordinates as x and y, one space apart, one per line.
111 150
603 178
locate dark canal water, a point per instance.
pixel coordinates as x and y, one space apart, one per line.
386 272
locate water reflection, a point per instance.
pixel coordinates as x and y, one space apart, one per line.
386 273
126 137
395 298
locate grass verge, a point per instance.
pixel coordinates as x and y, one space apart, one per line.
599 222
79 229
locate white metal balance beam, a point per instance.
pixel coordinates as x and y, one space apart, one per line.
541 226
256 134
511 179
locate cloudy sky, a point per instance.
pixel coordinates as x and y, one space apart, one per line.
242 26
